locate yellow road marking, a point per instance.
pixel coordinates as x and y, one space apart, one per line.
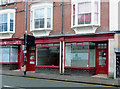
60 81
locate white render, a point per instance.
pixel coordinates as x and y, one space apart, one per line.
85 29
38 33
111 53
113 15
41 31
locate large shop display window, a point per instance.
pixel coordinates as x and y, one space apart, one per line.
47 55
80 54
8 54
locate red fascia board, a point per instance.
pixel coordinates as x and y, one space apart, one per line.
80 38
89 38
47 41
10 42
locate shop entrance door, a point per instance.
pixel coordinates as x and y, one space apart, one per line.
102 62
31 59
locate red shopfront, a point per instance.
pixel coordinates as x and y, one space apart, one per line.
10 53
82 53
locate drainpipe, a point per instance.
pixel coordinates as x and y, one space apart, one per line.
62 20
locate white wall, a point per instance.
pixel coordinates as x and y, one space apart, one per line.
111 45
113 15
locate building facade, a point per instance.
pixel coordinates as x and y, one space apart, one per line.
74 37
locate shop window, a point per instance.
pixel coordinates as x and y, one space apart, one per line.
8 54
50 44
81 54
76 56
14 55
92 56
56 44
47 56
4 54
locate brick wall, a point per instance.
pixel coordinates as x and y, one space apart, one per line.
20 18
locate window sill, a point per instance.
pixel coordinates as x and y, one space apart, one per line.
41 29
7 34
41 32
85 25
87 28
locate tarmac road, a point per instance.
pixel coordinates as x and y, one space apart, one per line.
13 81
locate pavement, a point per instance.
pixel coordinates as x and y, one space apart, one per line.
95 79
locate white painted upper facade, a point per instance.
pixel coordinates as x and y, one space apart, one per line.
113 15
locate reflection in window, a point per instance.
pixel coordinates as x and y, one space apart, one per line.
41 18
11 21
82 12
48 17
76 56
48 56
9 55
92 56
4 23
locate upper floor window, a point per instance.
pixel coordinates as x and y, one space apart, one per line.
2 2
41 16
7 20
85 12
10 1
